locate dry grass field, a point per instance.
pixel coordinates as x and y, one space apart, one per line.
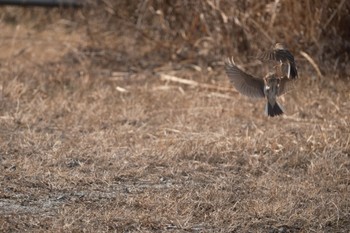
95 137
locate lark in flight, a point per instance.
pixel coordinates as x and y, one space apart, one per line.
270 87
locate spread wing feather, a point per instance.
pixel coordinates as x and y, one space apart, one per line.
277 54
245 83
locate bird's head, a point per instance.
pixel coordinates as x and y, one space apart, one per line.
279 46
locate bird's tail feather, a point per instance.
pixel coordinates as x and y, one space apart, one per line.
273 110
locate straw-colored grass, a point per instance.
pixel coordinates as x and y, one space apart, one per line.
122 119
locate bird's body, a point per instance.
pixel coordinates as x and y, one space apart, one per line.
269 87
272 88
282 59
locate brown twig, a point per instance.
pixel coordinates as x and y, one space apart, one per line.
312 62
166 77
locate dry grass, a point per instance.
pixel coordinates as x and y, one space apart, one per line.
93 139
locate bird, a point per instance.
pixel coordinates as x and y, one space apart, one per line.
282 59
270 86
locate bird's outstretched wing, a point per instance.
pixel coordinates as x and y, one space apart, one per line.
243 82
280 54
277 53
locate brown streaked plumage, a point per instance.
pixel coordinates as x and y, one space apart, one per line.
268 87
283 59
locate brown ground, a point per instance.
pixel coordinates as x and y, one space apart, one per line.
93 138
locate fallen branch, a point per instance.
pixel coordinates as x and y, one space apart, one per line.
312 62
166 77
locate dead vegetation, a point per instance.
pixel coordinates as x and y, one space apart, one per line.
119 117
